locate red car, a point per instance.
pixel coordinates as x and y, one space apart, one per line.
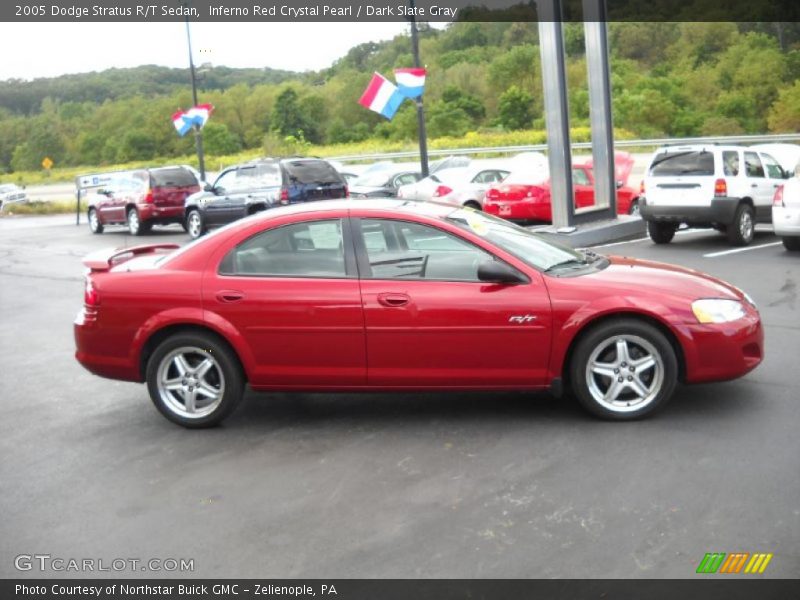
394 295
525 195
142 198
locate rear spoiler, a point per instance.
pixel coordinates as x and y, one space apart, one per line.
103 260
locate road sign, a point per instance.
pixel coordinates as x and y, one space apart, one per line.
47 163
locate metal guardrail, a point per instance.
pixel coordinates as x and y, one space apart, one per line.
651 143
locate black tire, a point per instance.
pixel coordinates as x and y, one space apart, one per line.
194 224
473 204
95 226
791 243
661 233
224 375
633 209
742 230
617 400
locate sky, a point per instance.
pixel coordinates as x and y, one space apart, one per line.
31 50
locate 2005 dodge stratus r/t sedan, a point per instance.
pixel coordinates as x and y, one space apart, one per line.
393 295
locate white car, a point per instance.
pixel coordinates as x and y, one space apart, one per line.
11 193
729 188
787 155
786 212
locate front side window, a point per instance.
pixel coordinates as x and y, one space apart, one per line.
308 249
579 177
774 170
227 181
404 250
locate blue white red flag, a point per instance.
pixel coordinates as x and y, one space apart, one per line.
197 115
382 96
410 82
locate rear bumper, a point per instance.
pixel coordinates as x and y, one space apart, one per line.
93 353
719 210
521 210
724 351
154 213
786 221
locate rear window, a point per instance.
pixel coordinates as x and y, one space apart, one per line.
311 171
172 177
683 163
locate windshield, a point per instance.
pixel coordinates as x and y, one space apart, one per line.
527 177
534 249
372 179
683 163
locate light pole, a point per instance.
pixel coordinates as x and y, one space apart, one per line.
198 135
423 139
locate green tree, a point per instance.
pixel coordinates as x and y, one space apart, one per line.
219 140
515 109
784 115
287 118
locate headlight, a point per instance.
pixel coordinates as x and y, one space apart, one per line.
716 310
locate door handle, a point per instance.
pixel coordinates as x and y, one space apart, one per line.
393 300
228 296
753 185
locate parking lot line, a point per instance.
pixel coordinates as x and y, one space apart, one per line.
735 250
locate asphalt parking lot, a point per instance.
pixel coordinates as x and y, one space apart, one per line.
402 485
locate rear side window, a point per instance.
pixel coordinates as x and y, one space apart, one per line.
753 165
730 163
308 249
311 171
683 163
579 177
172 177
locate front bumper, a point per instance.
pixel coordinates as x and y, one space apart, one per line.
786 221
720 210
723 351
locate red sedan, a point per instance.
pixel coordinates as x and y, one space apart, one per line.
525 196
393 295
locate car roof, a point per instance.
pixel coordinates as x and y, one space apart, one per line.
430 209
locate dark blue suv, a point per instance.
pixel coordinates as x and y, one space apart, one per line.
258 185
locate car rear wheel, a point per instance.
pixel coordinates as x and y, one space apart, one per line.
623 369
742 230
633 210
661 233
95 226
194 224
791 243
194 380
135 225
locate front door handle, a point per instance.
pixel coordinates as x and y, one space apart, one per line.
228 296
393 300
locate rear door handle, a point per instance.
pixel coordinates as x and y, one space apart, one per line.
393 300
753 185
228 296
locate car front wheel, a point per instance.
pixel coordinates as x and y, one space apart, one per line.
95 226
623 369
194 224
194 380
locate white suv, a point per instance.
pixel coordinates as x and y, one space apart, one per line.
729 188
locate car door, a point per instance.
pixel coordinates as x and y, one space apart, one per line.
429 320
760 187
292 293
775 179
583 187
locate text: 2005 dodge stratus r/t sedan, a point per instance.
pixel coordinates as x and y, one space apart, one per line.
392 295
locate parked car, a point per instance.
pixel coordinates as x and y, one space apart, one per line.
786 211
525 195
468 188
787 155
450 175
11 193
396 295
383 183
141 198
258 185
729 188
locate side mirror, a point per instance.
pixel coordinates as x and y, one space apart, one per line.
208 187
492 271
620 184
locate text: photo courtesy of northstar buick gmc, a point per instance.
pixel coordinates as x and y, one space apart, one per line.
389 295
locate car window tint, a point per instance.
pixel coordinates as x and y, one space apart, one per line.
405 179
774 170
404 250
752 165
266 175
227 181
730 162
172 177
308 249
311 171
579 177
683 163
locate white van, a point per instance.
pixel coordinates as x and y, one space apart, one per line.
729 188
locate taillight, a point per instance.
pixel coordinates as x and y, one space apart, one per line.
284 196
148 197
491 193
777 200
346 192
91 297
720 187
442 190
641 188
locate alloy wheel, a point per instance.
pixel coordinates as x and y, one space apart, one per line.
190 382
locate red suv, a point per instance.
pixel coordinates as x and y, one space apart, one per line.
142 198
